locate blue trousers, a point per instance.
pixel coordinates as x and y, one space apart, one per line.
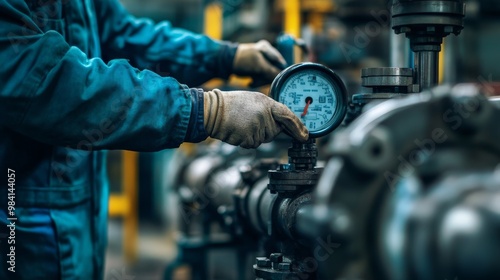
55 242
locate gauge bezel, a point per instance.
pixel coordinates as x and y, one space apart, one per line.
340 92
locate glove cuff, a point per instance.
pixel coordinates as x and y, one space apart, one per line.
213 107
196 129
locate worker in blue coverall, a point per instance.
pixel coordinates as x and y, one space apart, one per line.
70 87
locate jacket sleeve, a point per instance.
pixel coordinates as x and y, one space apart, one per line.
190 58
55 94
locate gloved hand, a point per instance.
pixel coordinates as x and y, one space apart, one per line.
257 59
248 119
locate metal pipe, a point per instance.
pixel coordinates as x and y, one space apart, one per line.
271 214
427 69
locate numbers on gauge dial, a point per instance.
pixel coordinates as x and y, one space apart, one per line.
310 96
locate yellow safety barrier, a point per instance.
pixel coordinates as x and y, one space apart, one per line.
213 21
292 22
292 17
124 205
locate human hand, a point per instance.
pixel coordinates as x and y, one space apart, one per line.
258 60
248 119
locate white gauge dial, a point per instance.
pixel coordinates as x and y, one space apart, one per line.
311 97
315 94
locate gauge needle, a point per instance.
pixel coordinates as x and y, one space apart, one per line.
306 108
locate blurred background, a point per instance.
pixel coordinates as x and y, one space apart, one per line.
154 204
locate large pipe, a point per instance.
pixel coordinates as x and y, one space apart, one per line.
271 214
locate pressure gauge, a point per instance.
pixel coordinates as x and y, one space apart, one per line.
315 94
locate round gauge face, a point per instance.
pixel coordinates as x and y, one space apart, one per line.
313 93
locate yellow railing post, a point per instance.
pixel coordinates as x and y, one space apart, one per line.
130 183
292 22
124 204
292 17
213 21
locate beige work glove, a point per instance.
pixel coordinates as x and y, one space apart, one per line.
248 119
258 60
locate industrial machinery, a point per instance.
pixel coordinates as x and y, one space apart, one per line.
416 202
411 185
318 95
425 24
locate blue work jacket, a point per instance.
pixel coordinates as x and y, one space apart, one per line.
69 88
